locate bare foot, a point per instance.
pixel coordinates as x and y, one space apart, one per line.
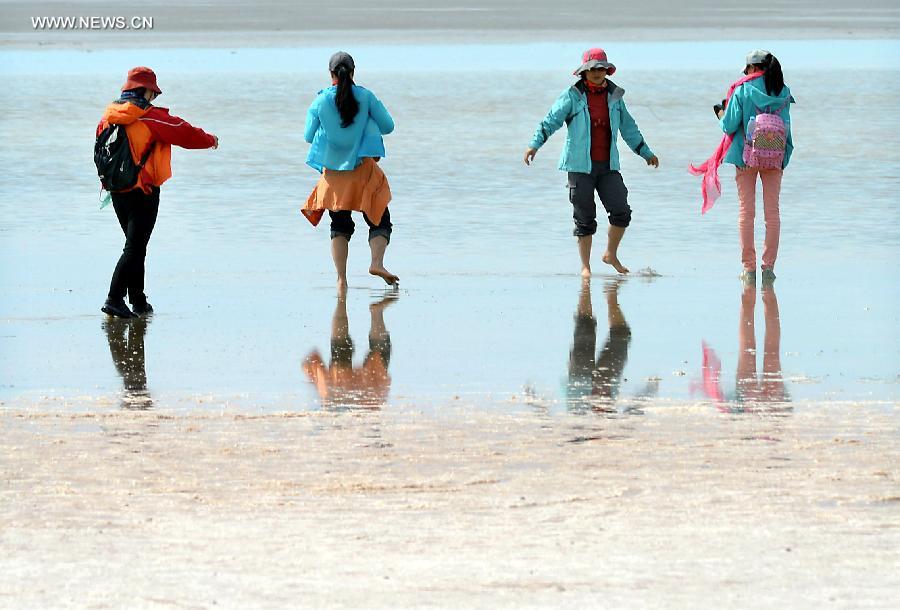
586 272
384 274
342 284
614 261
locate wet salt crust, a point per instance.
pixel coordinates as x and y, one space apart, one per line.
398 507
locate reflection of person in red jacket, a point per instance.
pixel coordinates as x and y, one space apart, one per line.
147 126
340 384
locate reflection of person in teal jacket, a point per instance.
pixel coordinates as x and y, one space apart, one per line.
594 383
749 386
753 392
594 112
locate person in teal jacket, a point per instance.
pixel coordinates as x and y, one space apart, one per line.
765 93
594 112
344 124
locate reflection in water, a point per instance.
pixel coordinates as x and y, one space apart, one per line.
750 388
594 382
126 346
342 385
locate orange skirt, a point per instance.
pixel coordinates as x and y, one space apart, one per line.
364 189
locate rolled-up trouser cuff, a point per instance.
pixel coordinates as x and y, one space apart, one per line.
380 232
346 236
584 231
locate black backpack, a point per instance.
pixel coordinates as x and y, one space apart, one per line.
112 156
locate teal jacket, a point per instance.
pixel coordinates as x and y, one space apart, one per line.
743 105
342 148
572 108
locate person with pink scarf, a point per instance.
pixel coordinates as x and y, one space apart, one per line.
760 90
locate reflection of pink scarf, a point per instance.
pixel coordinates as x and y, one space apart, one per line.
712 370
711 187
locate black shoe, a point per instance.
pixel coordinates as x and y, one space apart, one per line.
117 308
142 309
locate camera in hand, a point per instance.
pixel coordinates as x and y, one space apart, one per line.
717 108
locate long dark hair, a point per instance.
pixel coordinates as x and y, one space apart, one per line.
773 77
347 105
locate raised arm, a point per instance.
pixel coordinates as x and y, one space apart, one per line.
380 115
170 129
732 120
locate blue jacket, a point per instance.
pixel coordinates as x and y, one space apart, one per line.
342 148
743 105
572 108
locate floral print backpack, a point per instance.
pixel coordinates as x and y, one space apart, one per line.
766 139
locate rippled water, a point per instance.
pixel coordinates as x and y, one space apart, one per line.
487 313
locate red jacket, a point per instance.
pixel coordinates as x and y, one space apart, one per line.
146 126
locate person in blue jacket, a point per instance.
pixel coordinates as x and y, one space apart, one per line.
344 125
766 93
595 113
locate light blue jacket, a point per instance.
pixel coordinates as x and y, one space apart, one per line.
743 105
572 108
342 148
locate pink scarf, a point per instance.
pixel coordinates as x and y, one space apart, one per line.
710 186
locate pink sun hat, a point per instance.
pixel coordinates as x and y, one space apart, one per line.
595 58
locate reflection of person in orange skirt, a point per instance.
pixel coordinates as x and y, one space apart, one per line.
340 384
344 126
749 386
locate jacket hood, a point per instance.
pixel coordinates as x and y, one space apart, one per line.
123 113
756 92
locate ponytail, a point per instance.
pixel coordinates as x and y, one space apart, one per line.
347 105
773 77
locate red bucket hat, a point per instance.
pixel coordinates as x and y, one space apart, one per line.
595 58
141 77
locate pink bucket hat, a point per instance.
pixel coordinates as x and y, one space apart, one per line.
595 58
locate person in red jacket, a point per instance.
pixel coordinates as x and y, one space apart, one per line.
151 128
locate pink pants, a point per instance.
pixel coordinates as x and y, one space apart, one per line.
745 178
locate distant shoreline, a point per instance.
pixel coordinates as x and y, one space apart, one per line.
73 39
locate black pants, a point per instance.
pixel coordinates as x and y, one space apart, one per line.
342 225
136 212
612 192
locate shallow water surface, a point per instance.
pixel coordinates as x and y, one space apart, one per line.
491 313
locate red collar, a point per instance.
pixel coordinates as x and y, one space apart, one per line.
592 88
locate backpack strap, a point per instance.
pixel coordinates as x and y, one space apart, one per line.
146 156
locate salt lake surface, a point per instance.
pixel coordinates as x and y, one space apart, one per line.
667 440
486 313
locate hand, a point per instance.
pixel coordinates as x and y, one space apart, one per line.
653 161
529 155
216 144
720 114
